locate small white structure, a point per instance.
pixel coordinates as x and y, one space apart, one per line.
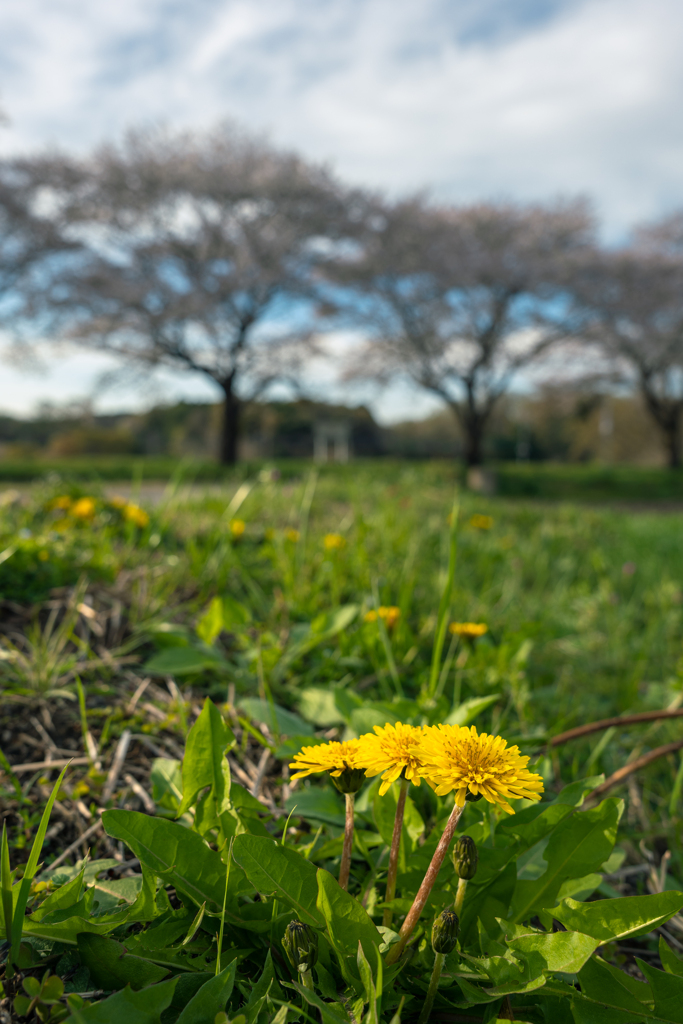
331 440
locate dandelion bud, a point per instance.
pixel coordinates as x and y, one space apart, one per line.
445 932
301 946
350 780
465 858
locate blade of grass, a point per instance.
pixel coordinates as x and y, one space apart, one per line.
225 901
13 777
6 888
445 602
30 870
386 643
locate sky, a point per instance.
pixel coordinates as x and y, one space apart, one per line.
470 99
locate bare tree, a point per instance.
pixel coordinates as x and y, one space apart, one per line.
635 300
200 251
461 299
29 241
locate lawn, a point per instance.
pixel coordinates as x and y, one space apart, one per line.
309 608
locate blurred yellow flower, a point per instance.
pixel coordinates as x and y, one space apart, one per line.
117 501
237 527
468 630
334 758
43 555
292 535
334 541
455 758
135 514
84 508
63 502
480 522
389 614
393 750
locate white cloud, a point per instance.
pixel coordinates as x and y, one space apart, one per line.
477 99
585 100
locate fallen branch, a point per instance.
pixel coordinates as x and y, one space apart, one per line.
74 846
634 766
35 766
609 723
117 764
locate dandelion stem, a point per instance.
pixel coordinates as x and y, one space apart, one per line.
460 896
433 986
426 887
392 872
345 866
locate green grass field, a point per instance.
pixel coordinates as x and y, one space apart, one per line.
262 593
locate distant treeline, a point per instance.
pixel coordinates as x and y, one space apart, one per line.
222 256
559 426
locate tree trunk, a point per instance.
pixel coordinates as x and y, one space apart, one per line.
472 423
474 437
672 441
667 416
230 426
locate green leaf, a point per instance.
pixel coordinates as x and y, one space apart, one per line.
330 1013
143 1007
211 998
578 846
272 868
179 856
207 742
186 988
348 923
276 718
670 962
561 951
317 804
184 661
613 989
211 622
466 712
319 706
667 990
111 966
620 918
167 783
534 823
30 869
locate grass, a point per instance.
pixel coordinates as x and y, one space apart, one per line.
233 590
591 482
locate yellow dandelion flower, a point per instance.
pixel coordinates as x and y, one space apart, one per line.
392 750
237 527
390 615
292 535
333 542
135 514
480 522
84 508
457 759
338 759
62 502
325 757
468 630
